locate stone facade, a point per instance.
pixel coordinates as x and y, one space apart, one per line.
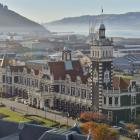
70 87
62 85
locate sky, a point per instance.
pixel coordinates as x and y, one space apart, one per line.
48 10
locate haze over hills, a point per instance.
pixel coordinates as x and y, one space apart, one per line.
11 21
127 21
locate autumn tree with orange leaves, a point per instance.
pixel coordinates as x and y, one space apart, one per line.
99 131
92 116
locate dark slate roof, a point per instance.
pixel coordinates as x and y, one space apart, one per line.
32 132
126 61
26 131
8 128
11 137
62 135
52 136
76 129
78 137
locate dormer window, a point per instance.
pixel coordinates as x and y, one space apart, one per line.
78 80
132 86
68 78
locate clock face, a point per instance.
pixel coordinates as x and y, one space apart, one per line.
106 76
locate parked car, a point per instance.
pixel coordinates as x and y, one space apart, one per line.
25 102
18 99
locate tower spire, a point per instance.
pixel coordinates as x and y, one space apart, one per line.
102 13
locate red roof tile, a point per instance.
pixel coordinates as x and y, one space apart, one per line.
120 82
59 71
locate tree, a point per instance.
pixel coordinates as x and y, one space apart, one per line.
85 127
92 116
99 131
131 126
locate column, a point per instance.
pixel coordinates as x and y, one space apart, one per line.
107 101
113 101
119 100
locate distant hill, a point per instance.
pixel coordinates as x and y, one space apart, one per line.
11 21
129 20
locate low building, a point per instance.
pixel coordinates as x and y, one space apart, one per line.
127 64
26 131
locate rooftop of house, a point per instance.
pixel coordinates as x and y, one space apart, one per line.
26 131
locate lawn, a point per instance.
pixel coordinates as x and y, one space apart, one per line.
18 117
13 116
124 138
43 120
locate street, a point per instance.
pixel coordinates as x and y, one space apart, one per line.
25 109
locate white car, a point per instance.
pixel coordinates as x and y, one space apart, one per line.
25 102
18 99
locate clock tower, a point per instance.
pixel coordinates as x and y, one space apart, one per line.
101 67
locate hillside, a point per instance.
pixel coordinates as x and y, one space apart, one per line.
129 20
11 21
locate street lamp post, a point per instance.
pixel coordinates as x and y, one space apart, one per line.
67 119
45 112
27 109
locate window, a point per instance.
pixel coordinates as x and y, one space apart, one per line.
78 93
110 53
116 100
9 80
83 96
28 81
36 83
24 81
46 88
110 100
41 86
16 79
104 100
103 54
33 83
133 100
68 90
3 78
98 53
110 115
88 95
72 91
106 53
63 89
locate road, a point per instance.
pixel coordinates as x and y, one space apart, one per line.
29 110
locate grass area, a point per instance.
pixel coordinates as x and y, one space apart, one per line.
18 117
124 138
42 120
13 116
124 76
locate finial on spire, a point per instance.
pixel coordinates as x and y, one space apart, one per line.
102 10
